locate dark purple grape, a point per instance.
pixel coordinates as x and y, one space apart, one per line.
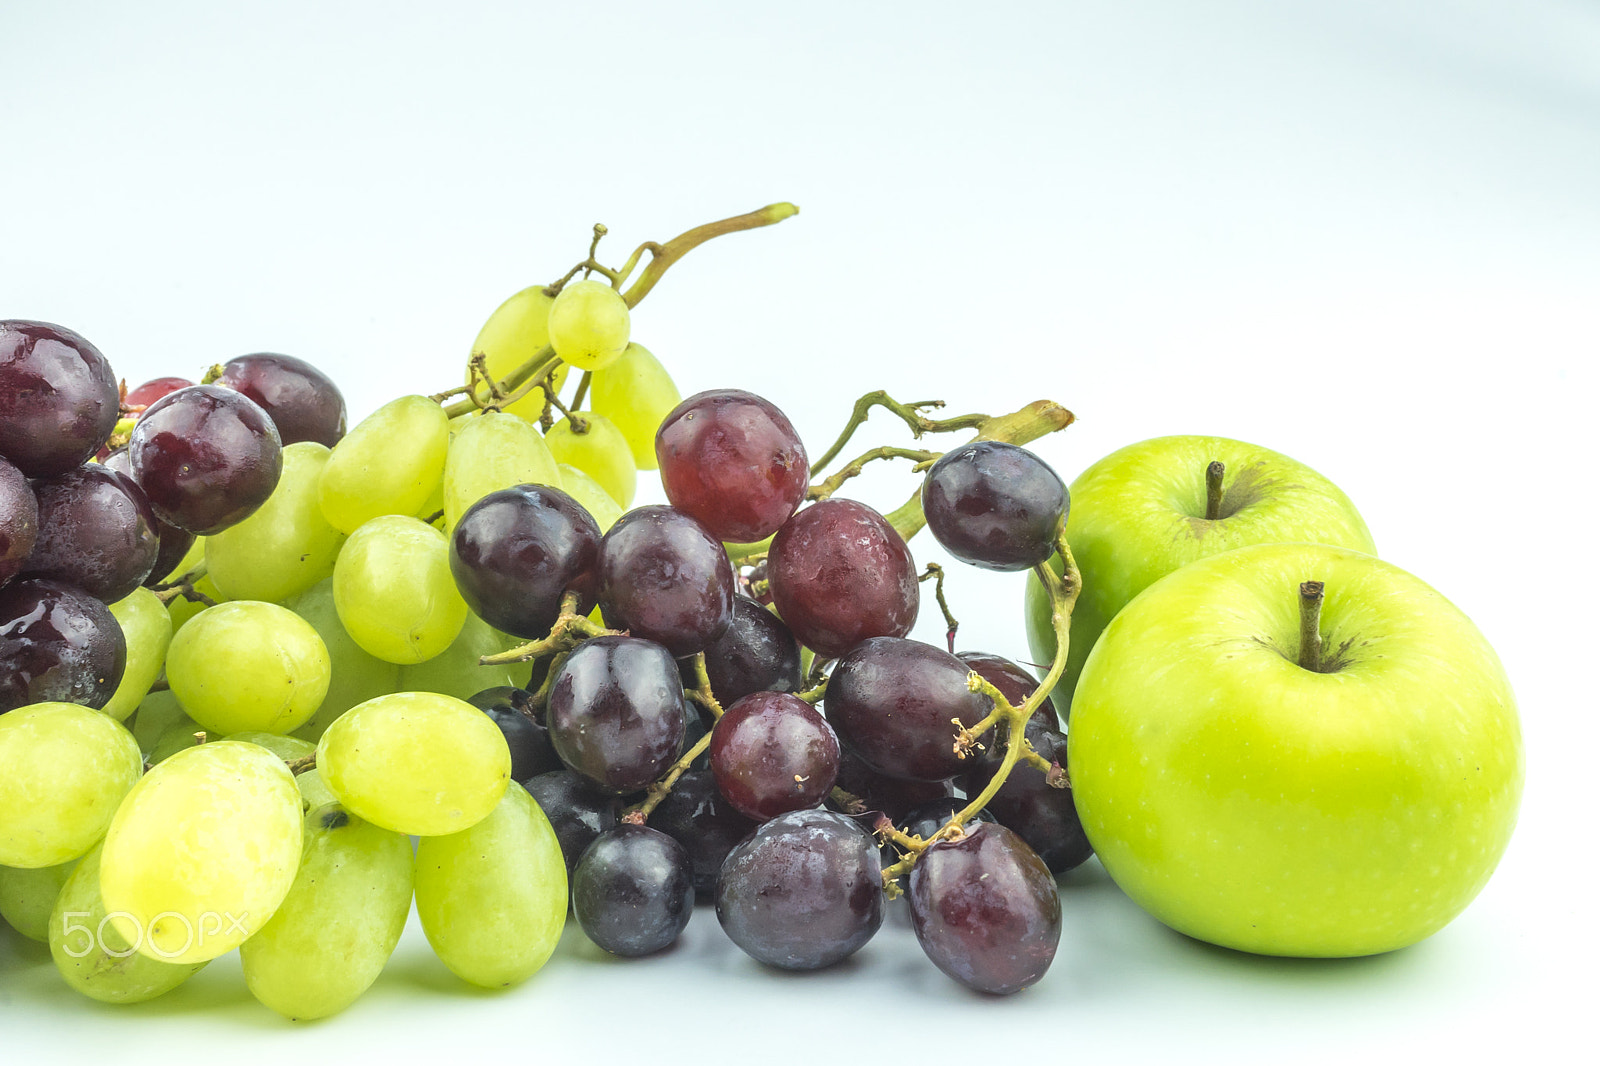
986 910
994 505
513 710
207 457
577 809
840 574
772 752
696 815
19 521
616 712
696 725
96 532
516 552
756 584
173 543
927 819
1014 683
888 795
633 891
664 578
804 891
58 398
1026 804
892 701
58 644
301 400
151 391
756 654
734 462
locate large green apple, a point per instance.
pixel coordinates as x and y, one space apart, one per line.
1141 512
1345 809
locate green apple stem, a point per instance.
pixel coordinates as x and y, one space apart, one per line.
1214 472
1311 626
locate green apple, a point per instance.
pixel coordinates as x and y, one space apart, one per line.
1149 508
1347 807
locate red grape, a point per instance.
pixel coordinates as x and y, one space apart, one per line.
207 457
174 543
772 752
58 398
516 552
302 401
19 520
756 654
664 578
96 532
1014 683
994 505
57 644
616 712
734 462
696 815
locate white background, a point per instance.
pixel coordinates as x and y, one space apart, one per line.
1364 234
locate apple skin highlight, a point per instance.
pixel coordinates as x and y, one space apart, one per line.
1249 802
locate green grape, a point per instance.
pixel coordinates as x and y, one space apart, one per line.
393 590
356 676
493 898
416 762
157 712
514 335
191 559
601 452
285 547
340 922
455 671
147 627
314 792
636 393
248 665
494 451
63 771
28 896
589 325
589 493
202 851
289 749
93 954
388 464
182 609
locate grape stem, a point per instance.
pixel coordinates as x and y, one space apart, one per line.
815 694
823 489
663 256
936 572
302 764
583 390
570 630
659 790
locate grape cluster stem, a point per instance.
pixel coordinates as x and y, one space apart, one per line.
659 790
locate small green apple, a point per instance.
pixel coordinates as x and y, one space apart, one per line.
1149 508
1347 807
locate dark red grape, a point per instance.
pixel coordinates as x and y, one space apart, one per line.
664 578
632 890
734 462
19 521
994 505
58 398
756 654
513 710
57 644
1014 683
616 712
96 532
578 810
174 543
756 584
892 701
986 910
888 795
840 574
772 752
1026 804
207 457
301 400
804 891
516 552
697 816
153 390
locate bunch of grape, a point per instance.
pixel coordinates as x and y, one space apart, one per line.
244 655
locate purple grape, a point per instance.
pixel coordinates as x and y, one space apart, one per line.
516 552
756 654
616 712
664 578
1044 817
58 398
892 701
578 810
986 910
1014 683
696 815
58 644
302 401
840 574
633 891
19 521
804 891
772 752
994 505
886 795
173 543
96 532
513 710
207 457
927 819
734 462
